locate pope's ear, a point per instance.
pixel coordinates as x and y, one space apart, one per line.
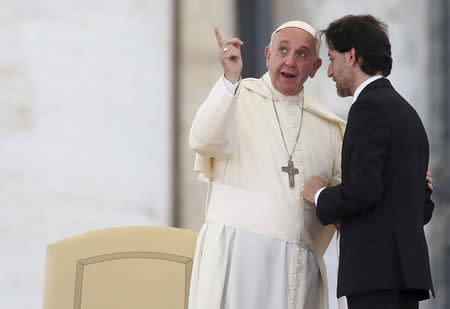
267 54
317 64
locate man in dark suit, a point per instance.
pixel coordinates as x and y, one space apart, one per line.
383 201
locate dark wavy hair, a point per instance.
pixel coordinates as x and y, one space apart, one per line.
368 36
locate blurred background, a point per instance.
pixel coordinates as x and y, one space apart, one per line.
97 98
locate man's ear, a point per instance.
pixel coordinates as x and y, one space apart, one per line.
267 52
317 64
352 57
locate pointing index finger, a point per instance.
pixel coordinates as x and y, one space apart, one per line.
219 37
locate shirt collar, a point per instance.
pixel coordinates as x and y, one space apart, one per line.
363 85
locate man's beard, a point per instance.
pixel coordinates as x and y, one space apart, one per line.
343 90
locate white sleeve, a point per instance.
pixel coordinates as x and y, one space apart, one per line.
336 173
230 86
214 125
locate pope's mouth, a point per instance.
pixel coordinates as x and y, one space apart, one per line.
288 75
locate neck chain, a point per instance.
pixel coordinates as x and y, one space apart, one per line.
290 168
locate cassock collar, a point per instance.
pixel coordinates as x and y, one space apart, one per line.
263 87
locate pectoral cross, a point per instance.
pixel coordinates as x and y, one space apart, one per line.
291 170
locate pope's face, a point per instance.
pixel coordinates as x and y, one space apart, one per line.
291 59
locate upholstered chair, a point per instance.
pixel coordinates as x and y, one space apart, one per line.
126 267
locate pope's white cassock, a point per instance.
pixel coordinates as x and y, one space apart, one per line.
261 246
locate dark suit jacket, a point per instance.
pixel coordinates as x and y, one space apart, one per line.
382 202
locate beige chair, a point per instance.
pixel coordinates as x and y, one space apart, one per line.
126 267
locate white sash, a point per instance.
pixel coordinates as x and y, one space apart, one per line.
258 212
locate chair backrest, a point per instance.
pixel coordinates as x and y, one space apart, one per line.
126 267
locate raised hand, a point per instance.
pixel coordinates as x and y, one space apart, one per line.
230 56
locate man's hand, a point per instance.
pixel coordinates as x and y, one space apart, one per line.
230 56
312 186
429 178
